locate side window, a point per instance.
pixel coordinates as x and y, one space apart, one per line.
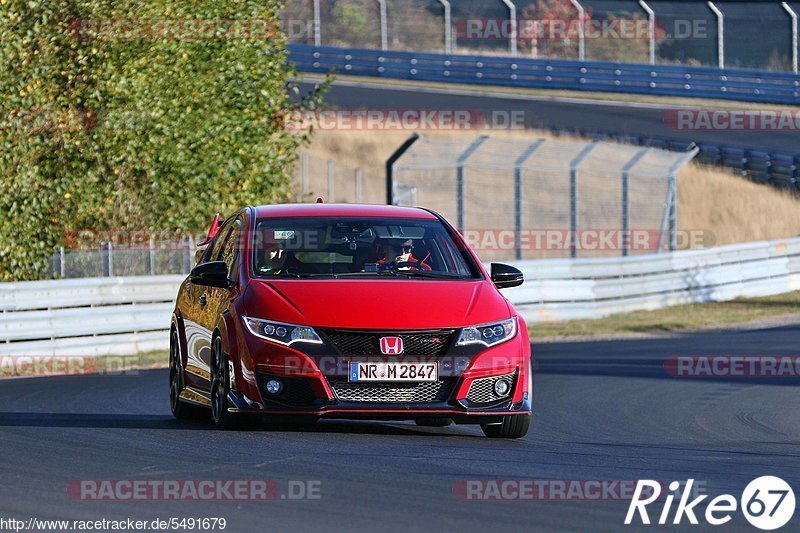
215 248
230 250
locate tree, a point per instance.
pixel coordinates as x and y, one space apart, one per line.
132 116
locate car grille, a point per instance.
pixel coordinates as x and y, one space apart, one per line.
430 343
423 392
482 390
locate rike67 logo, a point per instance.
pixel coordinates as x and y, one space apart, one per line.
767 503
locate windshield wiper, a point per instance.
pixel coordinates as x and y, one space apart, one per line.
365 273
425 274
301 276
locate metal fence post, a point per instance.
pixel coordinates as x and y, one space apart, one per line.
304 172
189 253
331 176
512 37
581 30
462 159
518 164
626 170
62 256
448 28
317 25
651 29
390 166
669 220
384 26
720 34
673 212
359 184
573 196
152 256
793 14
110 259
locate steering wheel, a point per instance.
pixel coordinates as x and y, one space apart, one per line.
397 265
416 265
408 264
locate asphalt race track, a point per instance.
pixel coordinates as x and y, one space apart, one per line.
544 112
603 411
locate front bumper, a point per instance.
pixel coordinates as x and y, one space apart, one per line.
315 381
333 397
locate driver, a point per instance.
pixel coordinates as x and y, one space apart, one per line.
272 258
401 256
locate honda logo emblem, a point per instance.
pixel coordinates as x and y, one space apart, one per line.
391 345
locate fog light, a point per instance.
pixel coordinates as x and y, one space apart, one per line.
274 386
501 387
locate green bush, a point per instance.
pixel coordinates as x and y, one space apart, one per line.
125 116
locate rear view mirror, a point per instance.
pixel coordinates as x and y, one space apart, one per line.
506 276
212 274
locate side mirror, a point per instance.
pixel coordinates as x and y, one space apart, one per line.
505 276
212 274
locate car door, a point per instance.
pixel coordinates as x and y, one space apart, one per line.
213 301
198 345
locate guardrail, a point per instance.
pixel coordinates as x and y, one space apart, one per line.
94 316
662 80
88 316
592 288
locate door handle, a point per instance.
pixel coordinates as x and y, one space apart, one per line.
203 301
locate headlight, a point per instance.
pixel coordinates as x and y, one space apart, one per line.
280 332
488 334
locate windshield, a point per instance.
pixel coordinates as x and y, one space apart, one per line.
358 247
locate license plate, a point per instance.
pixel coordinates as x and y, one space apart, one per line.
393 372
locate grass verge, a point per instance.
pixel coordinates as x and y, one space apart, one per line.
74 365
680 318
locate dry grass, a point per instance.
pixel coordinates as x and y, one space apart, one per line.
733 208
714 200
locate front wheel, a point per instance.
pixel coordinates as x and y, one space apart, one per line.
220 387
512 427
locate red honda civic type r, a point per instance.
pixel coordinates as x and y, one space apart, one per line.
348 311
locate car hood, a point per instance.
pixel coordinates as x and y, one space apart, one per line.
376 304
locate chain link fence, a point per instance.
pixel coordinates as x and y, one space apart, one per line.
732 34
141 259
517 200
337 183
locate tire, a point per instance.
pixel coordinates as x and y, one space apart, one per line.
180 409
512 427
220 388
439 422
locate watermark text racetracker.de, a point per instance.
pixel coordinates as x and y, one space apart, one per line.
733 366
587 239
67 365
552 490
193 490
409 119
745 120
